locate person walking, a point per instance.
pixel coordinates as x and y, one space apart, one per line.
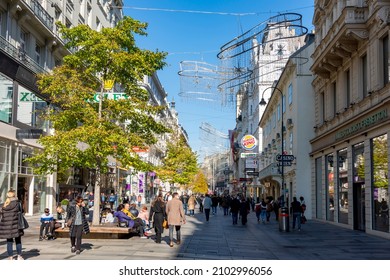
199 199
79 224
296 210
234 209
9 225
244 210
207 206
263 213
176 217
157 214
184 199
191 205
214 205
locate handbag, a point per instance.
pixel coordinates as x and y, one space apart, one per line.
123 224
22 222
69 222
165 224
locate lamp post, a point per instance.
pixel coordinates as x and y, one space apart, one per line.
263 103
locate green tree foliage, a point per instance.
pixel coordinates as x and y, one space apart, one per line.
180 164
380 162
87 133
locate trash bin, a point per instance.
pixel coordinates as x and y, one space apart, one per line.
284 222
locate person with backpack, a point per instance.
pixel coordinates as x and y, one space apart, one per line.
296 210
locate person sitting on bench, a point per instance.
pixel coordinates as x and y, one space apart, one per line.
47 224
124 220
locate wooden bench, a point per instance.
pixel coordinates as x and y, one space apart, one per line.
101 232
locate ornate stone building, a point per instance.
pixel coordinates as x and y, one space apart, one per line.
350 150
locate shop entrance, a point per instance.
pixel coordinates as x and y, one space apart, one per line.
22 192
359 210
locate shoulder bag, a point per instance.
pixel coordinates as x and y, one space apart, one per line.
22 222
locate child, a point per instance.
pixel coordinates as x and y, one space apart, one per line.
47 223
144 216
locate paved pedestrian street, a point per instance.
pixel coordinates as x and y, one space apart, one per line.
218 239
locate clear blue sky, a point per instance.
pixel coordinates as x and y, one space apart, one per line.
195 30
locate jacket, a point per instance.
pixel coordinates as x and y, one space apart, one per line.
9 221
72 214
122 217
175 212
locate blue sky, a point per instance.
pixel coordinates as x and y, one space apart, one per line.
195 30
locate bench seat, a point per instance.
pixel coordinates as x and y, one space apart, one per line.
101 232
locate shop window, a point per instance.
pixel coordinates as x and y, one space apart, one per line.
30 109
6 93
319 190
329 186
343 186
380 183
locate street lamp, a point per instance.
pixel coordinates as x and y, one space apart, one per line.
263 103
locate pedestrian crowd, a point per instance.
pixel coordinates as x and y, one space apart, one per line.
167 211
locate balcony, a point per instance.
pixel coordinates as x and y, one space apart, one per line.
340 40
270 171
20 56
40 12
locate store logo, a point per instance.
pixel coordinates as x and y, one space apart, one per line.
248 142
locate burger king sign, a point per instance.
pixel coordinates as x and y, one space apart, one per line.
248 142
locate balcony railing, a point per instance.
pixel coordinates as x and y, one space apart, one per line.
21 56
270 170
40 12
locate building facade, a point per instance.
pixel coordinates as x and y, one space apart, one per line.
350 149
29 45
288 122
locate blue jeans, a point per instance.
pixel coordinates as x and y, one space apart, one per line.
214 209
235 218
297 218
263 215
225 211
10 243
177 228
185 207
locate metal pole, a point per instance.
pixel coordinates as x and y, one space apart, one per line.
282 138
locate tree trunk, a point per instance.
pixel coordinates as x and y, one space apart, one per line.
96 200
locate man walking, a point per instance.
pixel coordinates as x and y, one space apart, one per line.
207 206
184 199
296 209
176 217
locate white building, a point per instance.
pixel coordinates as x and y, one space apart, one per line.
288 121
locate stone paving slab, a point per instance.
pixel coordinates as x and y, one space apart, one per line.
218 239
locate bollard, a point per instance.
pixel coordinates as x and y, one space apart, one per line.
284 223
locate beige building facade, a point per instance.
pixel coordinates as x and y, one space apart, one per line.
350 149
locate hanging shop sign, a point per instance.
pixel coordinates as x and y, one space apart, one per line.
248 142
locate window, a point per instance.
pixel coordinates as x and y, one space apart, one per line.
322 107
278 112
98 25
364 75
291 143
347 88
38 50
385 55
290 94
284 103
6 93
334 97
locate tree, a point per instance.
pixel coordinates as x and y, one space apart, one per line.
87 133
180 164
199 183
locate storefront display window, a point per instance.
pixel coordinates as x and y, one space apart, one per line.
342 163
319 191
380 183
30 109
329 186
6 94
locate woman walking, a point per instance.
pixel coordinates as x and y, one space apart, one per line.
79 224
9 225
191 205
157 213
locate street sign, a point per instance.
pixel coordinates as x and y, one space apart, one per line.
249 155
284 163
285 157
256 174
